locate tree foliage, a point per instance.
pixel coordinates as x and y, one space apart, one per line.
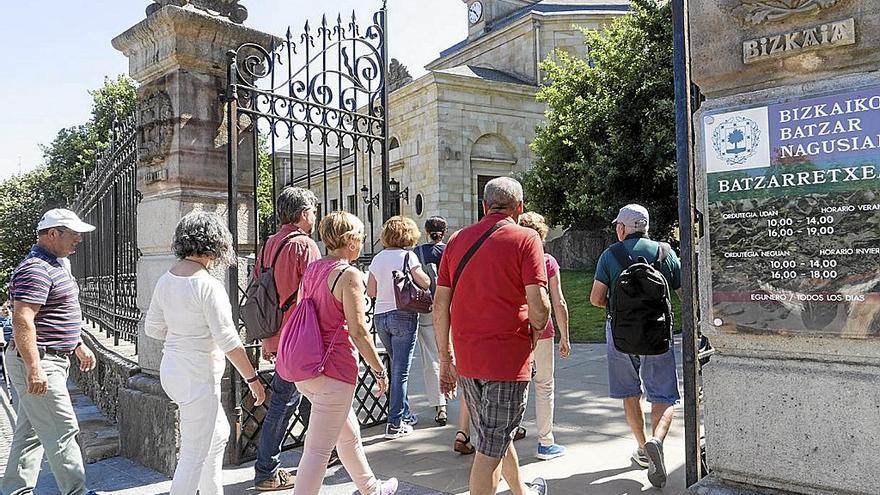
609 138
68 159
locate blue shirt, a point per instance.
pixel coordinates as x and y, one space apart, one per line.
41 278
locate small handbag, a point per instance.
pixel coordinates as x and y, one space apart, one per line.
409 296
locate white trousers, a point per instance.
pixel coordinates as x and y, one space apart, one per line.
204 430
430 360
544 387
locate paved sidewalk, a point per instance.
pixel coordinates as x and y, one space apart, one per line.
587 422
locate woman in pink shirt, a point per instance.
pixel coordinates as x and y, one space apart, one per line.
543 354
337 290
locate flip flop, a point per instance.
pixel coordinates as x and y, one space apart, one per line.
463 447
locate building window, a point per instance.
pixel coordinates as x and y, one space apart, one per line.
334 205
419 205
352 204
481 186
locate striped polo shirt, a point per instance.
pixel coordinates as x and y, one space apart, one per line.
44 279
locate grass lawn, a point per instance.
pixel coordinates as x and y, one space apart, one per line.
587 322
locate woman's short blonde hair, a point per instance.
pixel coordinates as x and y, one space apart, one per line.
339 228
535 222
400 232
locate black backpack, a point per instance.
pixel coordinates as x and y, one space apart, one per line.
263 311
640 306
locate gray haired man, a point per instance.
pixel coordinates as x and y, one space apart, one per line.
293 250
490 307
628 375
47 322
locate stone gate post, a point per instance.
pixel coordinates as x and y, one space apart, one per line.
178 56
788 178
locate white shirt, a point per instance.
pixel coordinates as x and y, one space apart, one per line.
194 318
383 264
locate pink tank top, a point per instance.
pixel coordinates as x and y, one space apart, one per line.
342 363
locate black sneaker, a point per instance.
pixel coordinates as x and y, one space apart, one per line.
538 486
656 466
334 459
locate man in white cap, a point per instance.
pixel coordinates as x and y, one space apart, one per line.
47 322
628 374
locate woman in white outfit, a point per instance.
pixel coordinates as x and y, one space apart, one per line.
190 311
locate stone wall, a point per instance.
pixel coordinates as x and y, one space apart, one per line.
148 432
103 384
578 250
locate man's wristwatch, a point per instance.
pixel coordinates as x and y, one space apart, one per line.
380 374
253 379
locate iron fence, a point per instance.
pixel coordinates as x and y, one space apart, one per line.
307 111
106 263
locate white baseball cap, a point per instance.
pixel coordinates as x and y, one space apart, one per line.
59 217
633 216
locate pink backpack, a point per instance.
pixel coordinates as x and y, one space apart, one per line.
301 354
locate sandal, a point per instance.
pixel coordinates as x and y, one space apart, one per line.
520 433
463 446
441 417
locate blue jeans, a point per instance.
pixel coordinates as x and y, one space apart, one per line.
397 330
283 402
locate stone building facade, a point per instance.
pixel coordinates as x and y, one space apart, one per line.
473 115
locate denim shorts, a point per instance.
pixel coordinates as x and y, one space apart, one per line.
627 374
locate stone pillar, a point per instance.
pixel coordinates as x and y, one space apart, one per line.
178 56
789 287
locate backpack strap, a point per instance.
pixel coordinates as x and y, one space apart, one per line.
662 252
338 276
291 298
280 248
473 249
618 250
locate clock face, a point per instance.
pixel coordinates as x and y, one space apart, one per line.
475 12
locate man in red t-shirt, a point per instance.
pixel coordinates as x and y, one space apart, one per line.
296 208
497 305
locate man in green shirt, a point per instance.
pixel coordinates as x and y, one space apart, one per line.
627 374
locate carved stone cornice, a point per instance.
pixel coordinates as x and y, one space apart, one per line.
229 9
756 12
175 38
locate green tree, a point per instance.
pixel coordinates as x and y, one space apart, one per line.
68 159
21 196
609 138
75 150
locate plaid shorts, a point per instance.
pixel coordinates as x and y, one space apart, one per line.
497 409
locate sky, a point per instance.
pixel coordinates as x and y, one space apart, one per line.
55 51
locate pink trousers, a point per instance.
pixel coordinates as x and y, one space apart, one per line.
332 424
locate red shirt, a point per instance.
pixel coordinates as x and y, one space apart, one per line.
489 313
295 256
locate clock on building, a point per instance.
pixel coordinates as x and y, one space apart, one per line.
475 12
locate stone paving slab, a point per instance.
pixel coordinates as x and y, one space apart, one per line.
587 422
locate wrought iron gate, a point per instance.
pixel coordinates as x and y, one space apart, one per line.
307 111
106 266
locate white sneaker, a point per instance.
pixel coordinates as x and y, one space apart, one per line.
392 432
388 487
